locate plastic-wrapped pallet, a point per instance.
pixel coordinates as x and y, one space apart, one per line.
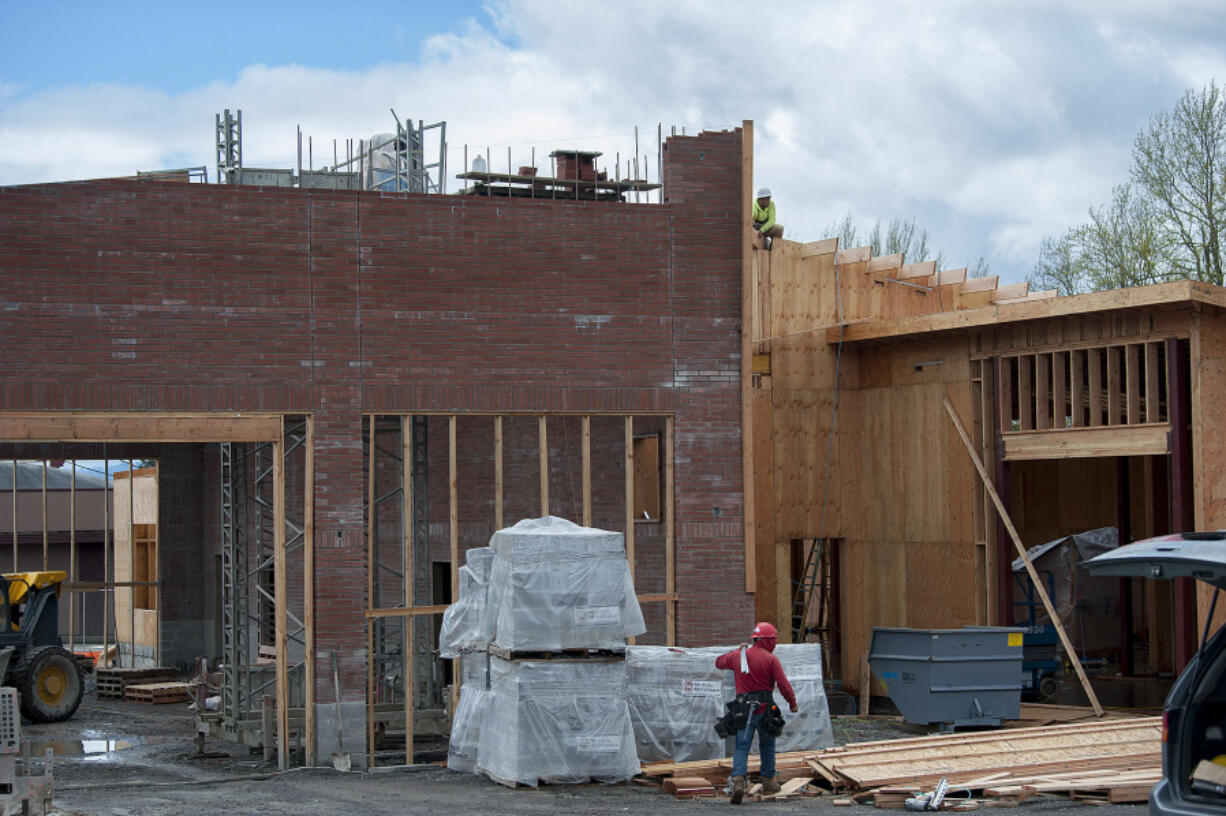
555 585
469 714
557 721
809 728
463 627
675 697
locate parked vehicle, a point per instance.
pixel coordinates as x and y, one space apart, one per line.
1194 717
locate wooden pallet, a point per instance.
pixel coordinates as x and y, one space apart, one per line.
112 683
157 693
561 654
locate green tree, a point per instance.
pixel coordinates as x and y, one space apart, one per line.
1179 159
1166 223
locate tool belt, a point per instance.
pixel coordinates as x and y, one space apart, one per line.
738 710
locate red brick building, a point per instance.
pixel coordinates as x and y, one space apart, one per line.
158 320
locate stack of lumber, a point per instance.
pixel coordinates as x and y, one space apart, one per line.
1109 760
113 683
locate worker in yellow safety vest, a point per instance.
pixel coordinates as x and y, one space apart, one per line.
764 218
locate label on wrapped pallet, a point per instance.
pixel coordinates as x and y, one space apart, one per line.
596 615
600 744
700 688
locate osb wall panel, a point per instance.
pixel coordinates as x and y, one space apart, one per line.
1208 442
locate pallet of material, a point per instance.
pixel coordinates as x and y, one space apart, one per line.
113 682
558 654
157 693
1113 760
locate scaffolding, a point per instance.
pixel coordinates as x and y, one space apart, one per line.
411 160
249 583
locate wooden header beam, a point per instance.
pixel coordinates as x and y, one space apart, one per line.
1177 293
134 426
1084 443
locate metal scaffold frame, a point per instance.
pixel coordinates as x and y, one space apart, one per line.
263 627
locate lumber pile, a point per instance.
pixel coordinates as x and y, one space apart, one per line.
1113 760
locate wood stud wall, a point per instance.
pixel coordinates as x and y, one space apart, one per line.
408 610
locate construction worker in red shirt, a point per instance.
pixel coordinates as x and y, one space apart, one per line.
757 672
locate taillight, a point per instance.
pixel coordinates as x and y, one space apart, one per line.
1166 724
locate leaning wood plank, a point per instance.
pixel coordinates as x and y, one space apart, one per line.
1069 651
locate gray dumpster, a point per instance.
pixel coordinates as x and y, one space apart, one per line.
957 677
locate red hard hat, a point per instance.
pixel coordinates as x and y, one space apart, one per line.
765 630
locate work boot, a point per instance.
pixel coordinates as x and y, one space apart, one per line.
770 786
738 789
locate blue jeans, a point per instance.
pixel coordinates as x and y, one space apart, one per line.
744 741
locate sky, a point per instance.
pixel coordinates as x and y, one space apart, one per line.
992 124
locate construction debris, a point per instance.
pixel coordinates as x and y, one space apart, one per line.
1104 760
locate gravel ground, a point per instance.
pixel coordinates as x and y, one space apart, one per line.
158 773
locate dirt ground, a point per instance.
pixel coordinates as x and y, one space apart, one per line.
152 768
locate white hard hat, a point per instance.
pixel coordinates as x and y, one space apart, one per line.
764 192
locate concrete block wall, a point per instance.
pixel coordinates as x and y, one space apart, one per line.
127 295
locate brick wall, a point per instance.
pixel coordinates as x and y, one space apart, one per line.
124 295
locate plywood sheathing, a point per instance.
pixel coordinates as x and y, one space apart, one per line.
1208 345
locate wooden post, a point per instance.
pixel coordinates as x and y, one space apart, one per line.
14 491
154 560
542 435
630 500
587 471
748 477
107 495
1021 550
279 598
497 473
454 524
371 623
670 562
72 559
406 559
132 561
46 541
630 492
1183 505
308 586
866 686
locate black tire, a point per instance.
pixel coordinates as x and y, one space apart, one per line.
49 680
1048 687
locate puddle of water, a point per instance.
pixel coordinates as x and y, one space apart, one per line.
90 748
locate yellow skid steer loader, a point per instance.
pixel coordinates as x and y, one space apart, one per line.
33 659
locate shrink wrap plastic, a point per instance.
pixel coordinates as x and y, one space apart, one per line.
464 625
675 697
469 715
555 585
556 721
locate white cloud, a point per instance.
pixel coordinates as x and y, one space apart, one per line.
992 124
